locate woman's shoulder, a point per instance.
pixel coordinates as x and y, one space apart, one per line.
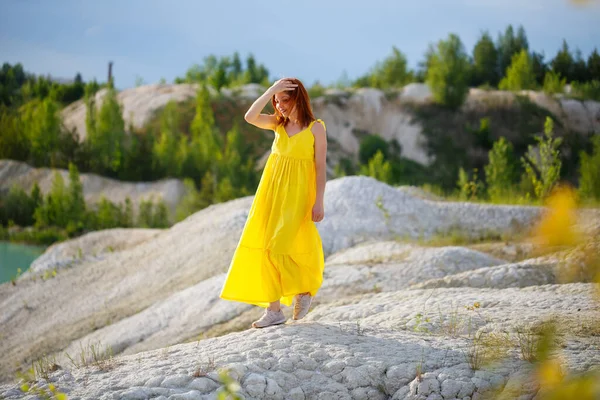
317 123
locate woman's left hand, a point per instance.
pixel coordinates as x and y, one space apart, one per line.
318 212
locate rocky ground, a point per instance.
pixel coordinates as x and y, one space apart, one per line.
395 318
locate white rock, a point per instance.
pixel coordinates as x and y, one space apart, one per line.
170 190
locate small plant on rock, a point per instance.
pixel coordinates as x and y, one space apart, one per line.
486 348
93 354
528 342
205 368
29 384
43 366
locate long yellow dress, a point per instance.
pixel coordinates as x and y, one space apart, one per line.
280 253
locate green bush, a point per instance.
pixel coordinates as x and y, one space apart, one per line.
153 215
469 188
378 168
19 206
586 90
316 90
369 146
63 206
542 165
190 203
589 172
553 83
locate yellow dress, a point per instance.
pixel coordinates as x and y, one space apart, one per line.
280 253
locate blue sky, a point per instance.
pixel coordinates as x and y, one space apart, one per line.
310 39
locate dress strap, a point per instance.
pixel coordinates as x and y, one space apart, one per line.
317 120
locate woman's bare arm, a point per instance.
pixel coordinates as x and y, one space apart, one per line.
318 131
266 121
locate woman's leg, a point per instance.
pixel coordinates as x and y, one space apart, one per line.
275 306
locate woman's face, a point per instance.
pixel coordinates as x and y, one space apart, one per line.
284 104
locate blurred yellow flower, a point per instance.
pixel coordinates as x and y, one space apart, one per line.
550 374
558 224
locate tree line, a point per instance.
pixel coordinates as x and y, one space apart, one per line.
506 64
218 166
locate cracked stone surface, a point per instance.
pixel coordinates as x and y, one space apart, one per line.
393 320
328 356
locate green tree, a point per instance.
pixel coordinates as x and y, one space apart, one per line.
580 71
54 210
593 65
219 78
36 198
508 45
127 216
206 144
540 68
207 190
91 110
447 75
500 172
77 209
165 156
589 172
425 63
236 68
41 125
18 206
542 165
378 168
108 214
519 75
563 62
145 214
485 62
254 73
108 136
14 144
240 175
392 72
12 77
160 218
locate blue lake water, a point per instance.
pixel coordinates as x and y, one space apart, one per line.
14 256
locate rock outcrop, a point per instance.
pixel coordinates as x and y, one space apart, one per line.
348 113
393 319
94 186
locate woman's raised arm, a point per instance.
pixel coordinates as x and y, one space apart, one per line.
265 121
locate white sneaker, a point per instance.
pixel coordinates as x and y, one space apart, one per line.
269 318
301 305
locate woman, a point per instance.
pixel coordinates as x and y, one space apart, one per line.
279 257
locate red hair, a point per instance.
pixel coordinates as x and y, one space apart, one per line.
301 101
